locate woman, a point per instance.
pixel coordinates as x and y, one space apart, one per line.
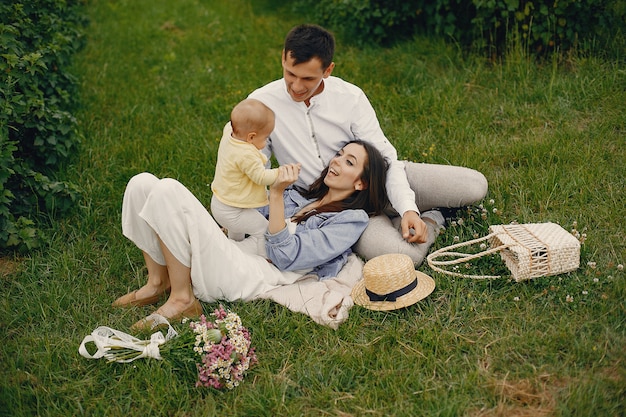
309 232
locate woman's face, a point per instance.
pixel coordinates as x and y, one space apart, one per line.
346 168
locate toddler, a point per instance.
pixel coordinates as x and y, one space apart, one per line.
241 179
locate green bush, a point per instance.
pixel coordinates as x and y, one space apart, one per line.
541 26
37 130
364 22
547 25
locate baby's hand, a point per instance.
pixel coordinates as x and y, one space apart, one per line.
290 171
287 175
294 167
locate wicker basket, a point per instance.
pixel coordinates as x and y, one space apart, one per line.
528 250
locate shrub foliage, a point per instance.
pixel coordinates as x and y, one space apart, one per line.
541 25
37 129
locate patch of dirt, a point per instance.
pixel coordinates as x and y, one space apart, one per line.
522 398
8 267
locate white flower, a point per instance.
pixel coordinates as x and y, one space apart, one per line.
585 293
596 280
492 201
569 298
620 267
483 246
591 265
456 238
515 298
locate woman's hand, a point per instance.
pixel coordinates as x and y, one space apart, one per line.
287 175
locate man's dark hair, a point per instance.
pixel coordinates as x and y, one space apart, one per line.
307 41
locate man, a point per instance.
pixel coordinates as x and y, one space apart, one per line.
316 114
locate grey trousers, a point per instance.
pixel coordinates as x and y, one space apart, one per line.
434 186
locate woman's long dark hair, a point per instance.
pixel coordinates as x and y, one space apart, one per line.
373 199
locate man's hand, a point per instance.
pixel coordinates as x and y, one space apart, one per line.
412 220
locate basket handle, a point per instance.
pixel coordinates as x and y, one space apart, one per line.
462 257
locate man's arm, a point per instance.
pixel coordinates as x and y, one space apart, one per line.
402 197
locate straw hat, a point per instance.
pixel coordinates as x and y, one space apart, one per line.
390 282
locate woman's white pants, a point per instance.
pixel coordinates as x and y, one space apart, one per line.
221 268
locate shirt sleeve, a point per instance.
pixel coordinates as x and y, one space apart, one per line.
367 128
318 243
254 168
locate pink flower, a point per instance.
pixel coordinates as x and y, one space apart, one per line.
223 362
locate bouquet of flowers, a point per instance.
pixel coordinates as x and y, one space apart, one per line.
224 348
220 349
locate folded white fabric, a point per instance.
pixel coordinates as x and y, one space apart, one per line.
326 302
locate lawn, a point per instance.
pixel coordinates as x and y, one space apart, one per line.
158 80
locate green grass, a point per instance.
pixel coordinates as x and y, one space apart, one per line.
158 80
